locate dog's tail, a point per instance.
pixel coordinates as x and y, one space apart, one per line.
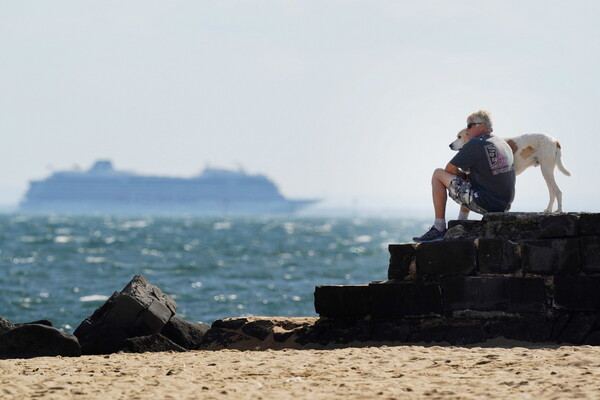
559 163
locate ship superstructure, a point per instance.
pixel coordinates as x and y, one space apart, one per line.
105 189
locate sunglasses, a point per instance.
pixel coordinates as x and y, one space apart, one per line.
472 124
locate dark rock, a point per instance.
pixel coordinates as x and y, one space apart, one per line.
589 253
260 329
401 258
390 300
497 256
550 256
593 339
35 340
281 337
5 325
188 335
342 301
150 343
40 322
446 258
468 229
222 338
140 309
229 323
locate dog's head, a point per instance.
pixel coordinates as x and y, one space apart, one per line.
462 137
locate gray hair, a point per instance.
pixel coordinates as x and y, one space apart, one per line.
482 116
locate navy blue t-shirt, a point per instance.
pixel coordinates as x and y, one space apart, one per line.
489 161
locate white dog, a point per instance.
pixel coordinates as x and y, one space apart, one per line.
535 149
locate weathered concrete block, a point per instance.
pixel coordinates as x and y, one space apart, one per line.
497 256
516 226
589 253
401 257
446 258
405 299
579 293
507 294
342 301
589 224
550 256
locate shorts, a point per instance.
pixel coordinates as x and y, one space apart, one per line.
461 192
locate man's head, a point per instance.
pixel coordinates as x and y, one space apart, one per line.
480 122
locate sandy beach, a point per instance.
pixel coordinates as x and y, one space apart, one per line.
384 372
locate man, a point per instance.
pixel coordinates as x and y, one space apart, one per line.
480 178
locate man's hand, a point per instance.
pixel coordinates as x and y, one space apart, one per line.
454 170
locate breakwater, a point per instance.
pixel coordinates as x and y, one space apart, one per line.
524 276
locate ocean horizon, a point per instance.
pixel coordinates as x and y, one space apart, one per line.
62 268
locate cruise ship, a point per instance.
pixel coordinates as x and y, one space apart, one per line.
103 189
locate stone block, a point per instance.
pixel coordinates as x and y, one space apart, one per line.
390 331
550 256
580 293
578 327
405 299
526 328
589 224
342 301
515 226
446 258
507 294
401 257
589 253
497 256
466 333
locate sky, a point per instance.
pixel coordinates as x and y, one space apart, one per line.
352 102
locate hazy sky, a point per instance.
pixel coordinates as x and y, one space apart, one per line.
351 101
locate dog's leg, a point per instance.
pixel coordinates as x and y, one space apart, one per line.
553 190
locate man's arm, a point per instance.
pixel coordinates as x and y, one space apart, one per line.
454 170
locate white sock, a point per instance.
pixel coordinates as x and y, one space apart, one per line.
463 216
440 224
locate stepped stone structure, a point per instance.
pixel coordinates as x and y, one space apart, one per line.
524 276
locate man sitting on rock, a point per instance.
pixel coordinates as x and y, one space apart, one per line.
481 177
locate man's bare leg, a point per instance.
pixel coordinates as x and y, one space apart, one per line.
439 183
463 214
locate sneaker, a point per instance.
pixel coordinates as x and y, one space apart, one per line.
433 235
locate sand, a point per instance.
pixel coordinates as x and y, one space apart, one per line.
382 372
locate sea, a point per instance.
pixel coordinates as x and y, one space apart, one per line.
62 268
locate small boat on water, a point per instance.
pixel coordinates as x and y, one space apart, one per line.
105 189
